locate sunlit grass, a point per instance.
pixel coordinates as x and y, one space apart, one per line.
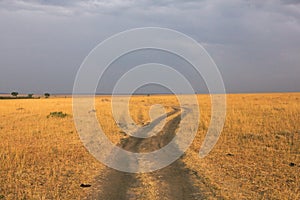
43 158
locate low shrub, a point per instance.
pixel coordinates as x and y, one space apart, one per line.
57 114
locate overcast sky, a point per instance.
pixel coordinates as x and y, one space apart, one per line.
255 44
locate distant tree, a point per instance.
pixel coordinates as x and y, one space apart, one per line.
30 95
47 95
15 94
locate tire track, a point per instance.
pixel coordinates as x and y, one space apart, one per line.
172 182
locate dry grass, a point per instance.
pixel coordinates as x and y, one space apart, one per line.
253 155
43 158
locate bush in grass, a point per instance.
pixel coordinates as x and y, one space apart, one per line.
57 114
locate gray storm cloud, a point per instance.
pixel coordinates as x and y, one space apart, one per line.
255 44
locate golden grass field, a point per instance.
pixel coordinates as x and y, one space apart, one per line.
43 158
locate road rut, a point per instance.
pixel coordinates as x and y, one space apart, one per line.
175 181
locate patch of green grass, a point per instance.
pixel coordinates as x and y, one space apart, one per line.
57 114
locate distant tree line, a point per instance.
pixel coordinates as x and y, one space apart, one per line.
15 94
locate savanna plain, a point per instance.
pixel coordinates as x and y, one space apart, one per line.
256 157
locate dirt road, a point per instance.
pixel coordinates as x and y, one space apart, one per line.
173 182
